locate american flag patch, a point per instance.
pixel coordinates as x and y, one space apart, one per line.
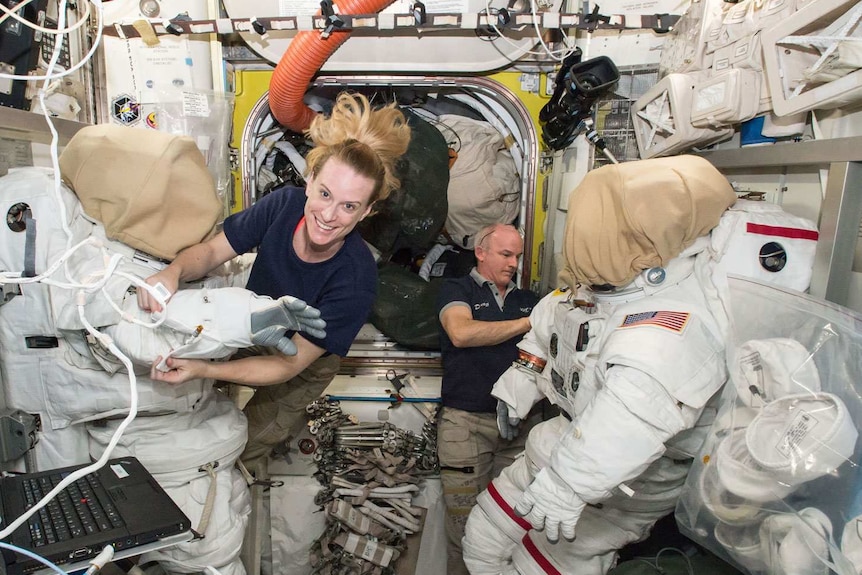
672 320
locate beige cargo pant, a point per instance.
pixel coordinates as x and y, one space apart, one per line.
471 454
276 410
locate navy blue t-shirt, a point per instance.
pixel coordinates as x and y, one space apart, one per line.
343 287
469 373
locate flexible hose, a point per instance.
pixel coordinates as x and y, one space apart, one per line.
305 55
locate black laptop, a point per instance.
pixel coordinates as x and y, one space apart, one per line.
121 504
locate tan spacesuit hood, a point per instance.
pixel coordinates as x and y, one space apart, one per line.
625 218
151 190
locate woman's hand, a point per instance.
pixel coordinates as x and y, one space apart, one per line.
170 283
179 370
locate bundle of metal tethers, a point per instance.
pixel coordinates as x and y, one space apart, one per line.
370 472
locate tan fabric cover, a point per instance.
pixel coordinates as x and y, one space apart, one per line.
151 190
625 218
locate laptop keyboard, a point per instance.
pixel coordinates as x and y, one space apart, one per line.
83 508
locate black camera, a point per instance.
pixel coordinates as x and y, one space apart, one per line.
578 86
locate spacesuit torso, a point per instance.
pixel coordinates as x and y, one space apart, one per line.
45 347
73 281
187 435
665 330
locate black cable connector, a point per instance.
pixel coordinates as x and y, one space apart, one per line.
595 19
171 25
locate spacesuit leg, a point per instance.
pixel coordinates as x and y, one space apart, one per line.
605 528
600 533
192 456
223 539
493 529
275 410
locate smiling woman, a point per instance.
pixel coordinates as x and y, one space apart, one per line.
307 247
338 198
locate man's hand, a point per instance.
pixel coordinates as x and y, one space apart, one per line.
506 424
269 326
169 282
550 504
178 370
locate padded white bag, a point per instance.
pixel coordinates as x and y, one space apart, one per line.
484 187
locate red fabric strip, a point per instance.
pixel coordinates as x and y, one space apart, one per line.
780 231
520 521
299 225
538 557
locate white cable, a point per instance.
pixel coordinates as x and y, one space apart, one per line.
98 284
55 162
553 54
100 560
84 60
558 55
45 277
31 555
113 264
18 7
139 283
15 277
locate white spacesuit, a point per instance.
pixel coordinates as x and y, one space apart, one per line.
68 314
632 359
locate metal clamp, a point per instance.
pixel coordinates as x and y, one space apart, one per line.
333 20
664 23
419 14
594 19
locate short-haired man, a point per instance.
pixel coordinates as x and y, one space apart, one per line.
483 316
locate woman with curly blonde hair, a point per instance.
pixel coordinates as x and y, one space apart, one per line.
307 247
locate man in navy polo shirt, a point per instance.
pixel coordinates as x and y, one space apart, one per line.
483 316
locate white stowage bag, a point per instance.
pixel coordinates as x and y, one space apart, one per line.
177 449
483 182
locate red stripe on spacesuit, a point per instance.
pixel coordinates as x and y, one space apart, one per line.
520 521
782 232
538 557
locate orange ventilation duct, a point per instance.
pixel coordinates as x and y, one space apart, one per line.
305 55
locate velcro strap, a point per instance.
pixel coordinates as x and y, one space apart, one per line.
29 246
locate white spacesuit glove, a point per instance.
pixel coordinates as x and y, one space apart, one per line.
550 504
507 422
270 325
